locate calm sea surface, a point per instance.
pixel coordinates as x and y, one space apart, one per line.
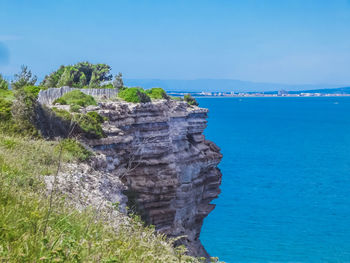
286 179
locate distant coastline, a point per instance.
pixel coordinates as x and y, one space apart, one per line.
344 92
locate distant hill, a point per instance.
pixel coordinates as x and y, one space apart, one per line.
220 85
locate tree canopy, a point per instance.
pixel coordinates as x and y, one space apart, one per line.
80 75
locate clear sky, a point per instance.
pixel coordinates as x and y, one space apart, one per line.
289 41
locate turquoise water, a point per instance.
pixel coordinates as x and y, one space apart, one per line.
286 179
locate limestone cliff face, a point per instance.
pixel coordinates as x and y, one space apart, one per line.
159 152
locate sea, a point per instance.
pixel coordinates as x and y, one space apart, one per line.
286 179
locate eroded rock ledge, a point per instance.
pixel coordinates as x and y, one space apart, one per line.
159 152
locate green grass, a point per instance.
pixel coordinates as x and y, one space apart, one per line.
76 97
176 98
32 232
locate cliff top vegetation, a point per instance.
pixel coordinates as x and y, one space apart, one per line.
83 75
41 226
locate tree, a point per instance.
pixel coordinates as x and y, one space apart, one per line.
94 81
83 80
24 78
118 81
66 78
4 85
81 74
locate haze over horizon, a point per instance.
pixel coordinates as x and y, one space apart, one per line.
285 43
222 85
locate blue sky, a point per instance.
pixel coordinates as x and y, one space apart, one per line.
289 41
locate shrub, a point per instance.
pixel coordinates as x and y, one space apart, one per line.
4 85
144 98
7 124
135 95
5 110
23 109
7 94
97 117
157 93
74 149
63 114
75 108
32 91
190 100
60 101
76 97
89 123
107 86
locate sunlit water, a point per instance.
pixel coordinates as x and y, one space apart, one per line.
286 179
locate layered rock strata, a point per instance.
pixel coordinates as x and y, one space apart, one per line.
159 152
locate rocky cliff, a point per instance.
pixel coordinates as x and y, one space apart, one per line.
169 169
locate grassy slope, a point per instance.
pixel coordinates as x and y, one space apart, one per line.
30 233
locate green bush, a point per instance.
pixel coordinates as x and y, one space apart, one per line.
144 98
89 123
4 85
60 101
7 94
5 110
63 114
75 108
135 95
23 110
74 149
107 86
32 91
7 125
190 100
157 93
97 117
76 97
